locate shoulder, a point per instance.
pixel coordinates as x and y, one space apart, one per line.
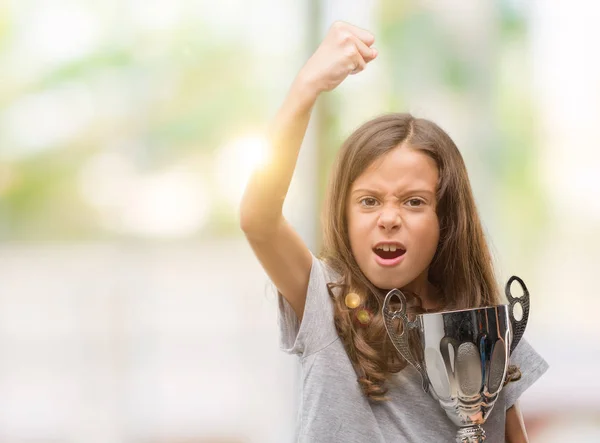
328 268
316 330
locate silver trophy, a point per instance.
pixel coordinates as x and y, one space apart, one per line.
462 355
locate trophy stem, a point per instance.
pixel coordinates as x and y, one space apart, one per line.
470 434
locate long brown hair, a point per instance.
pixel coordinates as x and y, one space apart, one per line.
461 267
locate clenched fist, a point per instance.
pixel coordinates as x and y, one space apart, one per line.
345 50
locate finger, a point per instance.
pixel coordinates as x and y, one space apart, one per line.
358 64
365 36
367 53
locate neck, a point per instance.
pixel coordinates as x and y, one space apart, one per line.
429 295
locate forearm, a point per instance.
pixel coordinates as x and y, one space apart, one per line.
262 204
345 50
515 426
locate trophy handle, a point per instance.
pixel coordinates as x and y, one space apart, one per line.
517 326
401 342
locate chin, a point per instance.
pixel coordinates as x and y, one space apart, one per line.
387 284
393 278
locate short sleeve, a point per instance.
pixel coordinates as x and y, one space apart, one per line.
317 328
532 367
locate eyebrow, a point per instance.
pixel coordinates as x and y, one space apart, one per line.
374 191
365 191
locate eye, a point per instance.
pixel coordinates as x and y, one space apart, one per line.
415 202
368 202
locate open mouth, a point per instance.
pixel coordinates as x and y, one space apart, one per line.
389 253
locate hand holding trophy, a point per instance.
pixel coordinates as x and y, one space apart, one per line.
462 355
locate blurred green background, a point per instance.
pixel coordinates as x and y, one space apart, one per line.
102 106
131 308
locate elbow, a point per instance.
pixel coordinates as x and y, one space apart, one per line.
257 227
250 224
248 219
247 223
247 216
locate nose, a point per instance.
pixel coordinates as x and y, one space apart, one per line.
389 219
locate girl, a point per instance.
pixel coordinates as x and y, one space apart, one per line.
400 214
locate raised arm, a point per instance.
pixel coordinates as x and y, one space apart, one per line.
280 250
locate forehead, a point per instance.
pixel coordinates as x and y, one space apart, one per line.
401 167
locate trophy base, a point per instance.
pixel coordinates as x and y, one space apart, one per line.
471 434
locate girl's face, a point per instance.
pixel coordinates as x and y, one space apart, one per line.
392 220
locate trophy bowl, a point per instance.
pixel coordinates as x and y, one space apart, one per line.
462 355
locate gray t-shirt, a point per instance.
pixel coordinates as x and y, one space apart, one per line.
332 407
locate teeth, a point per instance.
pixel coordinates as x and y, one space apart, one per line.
391 248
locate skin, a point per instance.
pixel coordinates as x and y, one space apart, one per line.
515 426
346 50
394 199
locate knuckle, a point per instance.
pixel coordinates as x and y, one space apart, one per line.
344 37
338 25
351 51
